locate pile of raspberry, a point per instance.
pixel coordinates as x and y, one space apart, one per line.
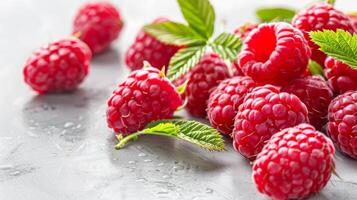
278 116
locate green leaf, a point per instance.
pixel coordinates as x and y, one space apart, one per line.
227 45
315 68
268 14
200 16
174 33
184 60
340 45
191 131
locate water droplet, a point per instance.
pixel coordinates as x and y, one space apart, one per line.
132 162
209 190
68 124
147 160
160 164
141 179
15 173
141 154
79 126
178 167
139 147
165 176
6 167
31 134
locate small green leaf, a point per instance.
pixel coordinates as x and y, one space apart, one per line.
174 33
340 45
227 45
315 68
191 131
184 60
196 133
200 16
268 14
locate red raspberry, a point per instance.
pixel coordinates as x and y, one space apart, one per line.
314 92
58 67
341 77
294 164
264 112
274 53
145 96
203 78
224 101
148 48
342 125
318 17
98 24
243 31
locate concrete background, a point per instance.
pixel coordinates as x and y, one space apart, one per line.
57 147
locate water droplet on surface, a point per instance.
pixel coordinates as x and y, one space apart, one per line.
209 190
141 154
160 164
15 173
141 179
147 160
31 134
165 176
79 126
68 124
6 167
132 162
139 147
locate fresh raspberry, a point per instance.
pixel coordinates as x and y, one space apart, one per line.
314 92
98 24
318 17
296 163
264 112
203 79
341 77
274 53
145 96
224 101
58 67
148 48
244 30
342 125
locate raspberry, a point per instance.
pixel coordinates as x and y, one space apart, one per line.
342 125
243 31
145 96
318 17
314 92
295 163
98 24
203 78
224 101
341 77
264 112
274 53
148 48
58 67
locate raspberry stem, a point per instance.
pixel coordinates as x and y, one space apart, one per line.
134 136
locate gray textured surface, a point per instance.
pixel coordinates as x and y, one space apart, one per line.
58 146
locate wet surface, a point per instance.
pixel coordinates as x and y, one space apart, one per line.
59 147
